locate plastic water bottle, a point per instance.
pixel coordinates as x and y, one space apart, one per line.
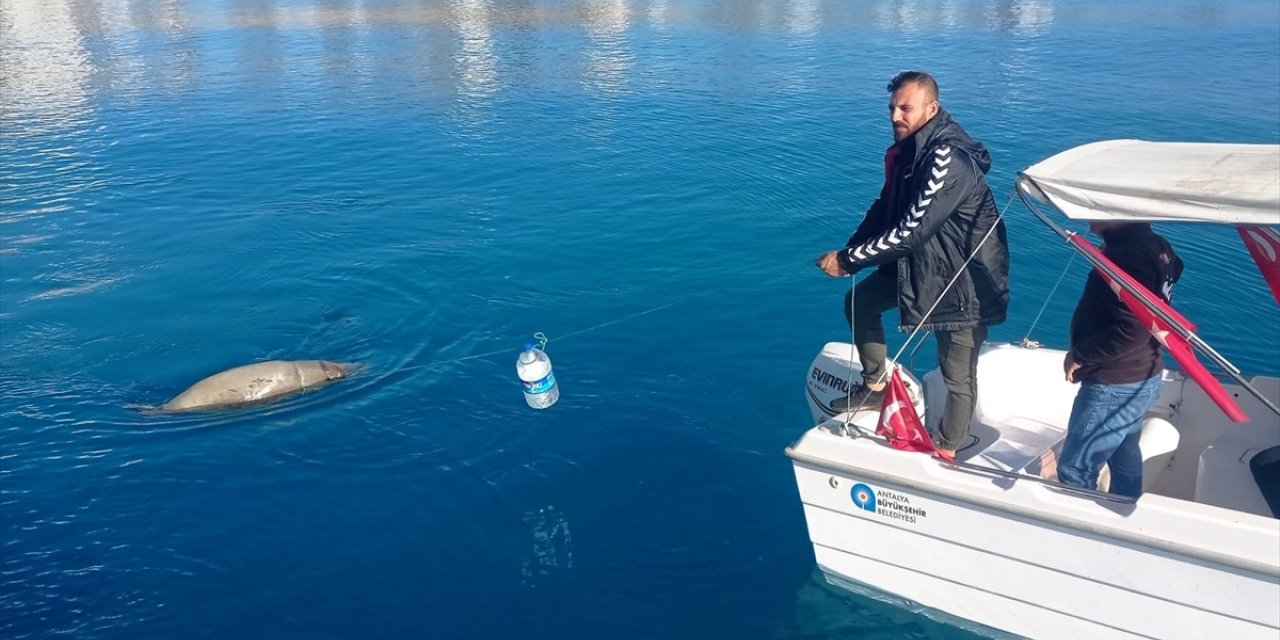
534 368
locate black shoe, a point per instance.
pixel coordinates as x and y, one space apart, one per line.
861 396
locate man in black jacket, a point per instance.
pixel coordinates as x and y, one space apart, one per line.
1117 362
935 210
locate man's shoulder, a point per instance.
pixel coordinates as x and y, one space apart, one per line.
947 153
1140 257
1141 241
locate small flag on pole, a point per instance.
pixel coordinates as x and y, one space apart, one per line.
899 422
1264 246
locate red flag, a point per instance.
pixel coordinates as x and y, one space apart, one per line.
1178 346
1264 246
899 422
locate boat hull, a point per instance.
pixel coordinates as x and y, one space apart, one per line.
1006 562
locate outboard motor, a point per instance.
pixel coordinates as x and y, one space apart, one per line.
829 378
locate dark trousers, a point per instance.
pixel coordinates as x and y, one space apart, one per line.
957 352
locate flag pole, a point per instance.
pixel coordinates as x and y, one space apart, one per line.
1024 187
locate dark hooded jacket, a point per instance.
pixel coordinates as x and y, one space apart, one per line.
1110 343
934 209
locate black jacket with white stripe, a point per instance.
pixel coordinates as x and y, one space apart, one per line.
934 209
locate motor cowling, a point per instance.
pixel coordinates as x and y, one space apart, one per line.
831 375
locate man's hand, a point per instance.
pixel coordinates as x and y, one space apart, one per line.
830 265
1069 367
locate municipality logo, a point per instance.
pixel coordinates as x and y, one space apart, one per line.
863 497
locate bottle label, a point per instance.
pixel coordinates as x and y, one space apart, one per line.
540 386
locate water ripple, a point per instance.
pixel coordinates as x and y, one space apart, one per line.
418 188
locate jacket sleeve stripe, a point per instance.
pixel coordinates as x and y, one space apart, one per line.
897 235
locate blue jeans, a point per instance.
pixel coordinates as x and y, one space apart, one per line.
1105 424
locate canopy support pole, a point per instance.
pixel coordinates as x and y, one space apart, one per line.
1025 185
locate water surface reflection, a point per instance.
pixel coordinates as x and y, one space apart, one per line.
56 53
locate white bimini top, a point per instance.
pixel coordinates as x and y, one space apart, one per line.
1138 181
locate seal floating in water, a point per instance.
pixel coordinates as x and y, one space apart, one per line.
256 383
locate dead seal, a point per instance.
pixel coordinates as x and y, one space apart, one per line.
257 383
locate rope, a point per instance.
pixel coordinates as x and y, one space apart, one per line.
622 319
848 428
914 332
911 359
1026 340
541 338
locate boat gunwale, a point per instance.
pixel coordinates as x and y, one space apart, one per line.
1267 570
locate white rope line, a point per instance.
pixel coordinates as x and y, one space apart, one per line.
441 363
622 319
845 429
1026 340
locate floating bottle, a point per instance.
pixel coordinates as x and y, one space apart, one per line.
534 369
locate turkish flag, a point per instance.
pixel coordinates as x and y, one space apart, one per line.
1264 246
1177 345
899 422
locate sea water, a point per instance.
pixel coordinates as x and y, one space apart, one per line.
191 186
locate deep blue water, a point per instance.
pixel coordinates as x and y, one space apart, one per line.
420 186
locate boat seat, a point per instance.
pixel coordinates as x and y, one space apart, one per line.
1158 441
1223 478
1021 410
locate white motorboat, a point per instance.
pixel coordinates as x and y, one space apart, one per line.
992 539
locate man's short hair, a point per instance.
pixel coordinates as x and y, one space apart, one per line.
921 78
